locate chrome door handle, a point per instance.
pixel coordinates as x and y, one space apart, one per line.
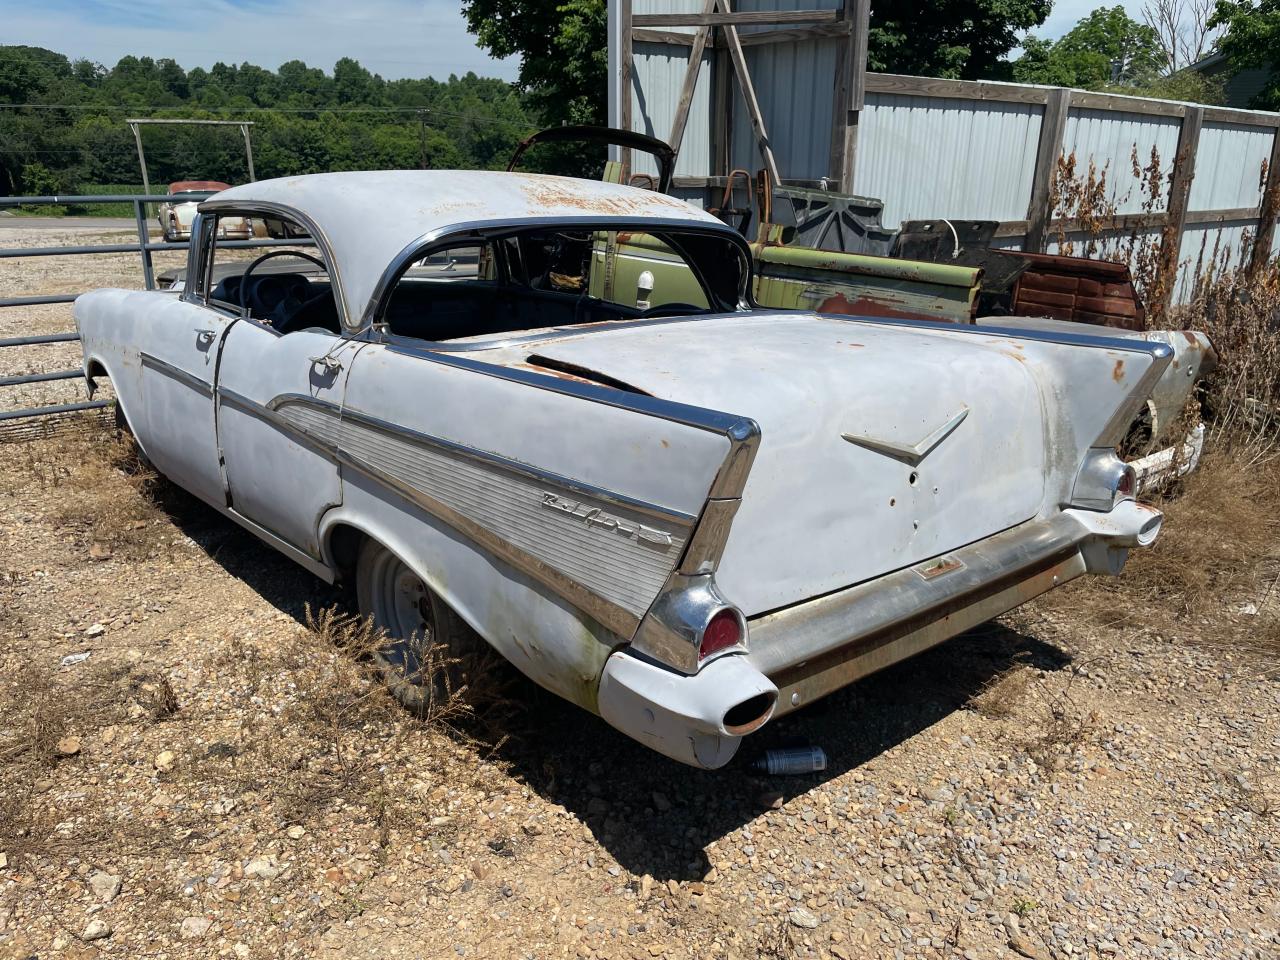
205 337
330 364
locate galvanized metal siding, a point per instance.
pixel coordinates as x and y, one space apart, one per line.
795 86
932 157
1110 139
657 78
1210 246
1229 166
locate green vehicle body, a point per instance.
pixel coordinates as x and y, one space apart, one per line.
795 278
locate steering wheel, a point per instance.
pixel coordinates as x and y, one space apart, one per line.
244 277
674 308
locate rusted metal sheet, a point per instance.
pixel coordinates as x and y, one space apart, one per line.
796 278
1072 288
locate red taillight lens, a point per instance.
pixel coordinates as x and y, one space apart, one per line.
1128 484
722 632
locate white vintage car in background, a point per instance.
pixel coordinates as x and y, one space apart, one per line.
178 212
687 515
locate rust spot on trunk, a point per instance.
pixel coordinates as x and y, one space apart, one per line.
1117 372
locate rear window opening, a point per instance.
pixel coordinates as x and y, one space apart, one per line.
550 278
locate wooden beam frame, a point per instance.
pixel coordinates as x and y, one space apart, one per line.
749 97
1053 126
690 81
1260 255
745 19
1184 172
624 82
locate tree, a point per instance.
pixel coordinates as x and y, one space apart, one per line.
1252 41
1183 29
563 50
1105 49
956 39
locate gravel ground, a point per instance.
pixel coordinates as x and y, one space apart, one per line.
1093 775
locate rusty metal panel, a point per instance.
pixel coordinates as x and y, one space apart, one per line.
1229 165
930 157
1084 291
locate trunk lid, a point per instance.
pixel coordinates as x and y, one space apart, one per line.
880 446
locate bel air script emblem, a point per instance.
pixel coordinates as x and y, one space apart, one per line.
595 517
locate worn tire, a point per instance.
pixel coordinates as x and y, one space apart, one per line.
414 618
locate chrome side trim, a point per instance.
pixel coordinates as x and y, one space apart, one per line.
743 433
177 373
498 461
606 586
248 405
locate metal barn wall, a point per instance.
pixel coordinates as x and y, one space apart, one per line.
928 157
794 85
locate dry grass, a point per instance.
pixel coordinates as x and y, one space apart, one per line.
1219 543
1002 695
105 498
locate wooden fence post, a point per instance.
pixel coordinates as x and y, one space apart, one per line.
1265 234
1053 127
850 92
1184 171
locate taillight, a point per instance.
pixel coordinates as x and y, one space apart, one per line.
724 631
1127 486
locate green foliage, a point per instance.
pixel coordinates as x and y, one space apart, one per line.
1105 49
1252 40
69 129
956 39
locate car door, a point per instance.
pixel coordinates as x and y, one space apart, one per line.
179 360
281 474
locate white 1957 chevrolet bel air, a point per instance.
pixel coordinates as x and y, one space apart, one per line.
686 514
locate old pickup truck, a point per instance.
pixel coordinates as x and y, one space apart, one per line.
688 515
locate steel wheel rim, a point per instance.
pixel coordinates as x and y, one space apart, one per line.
401 607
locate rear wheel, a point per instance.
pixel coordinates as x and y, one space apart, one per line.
430 649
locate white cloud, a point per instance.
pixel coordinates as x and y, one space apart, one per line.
395 38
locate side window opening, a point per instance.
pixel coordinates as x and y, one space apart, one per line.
284 288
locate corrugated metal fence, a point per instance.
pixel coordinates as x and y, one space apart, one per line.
961 150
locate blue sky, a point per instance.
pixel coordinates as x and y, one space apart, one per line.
396 38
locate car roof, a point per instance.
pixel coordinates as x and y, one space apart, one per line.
369 218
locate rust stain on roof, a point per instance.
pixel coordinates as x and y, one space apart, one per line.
555 192
1117 372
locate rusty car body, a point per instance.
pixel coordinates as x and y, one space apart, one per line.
686 513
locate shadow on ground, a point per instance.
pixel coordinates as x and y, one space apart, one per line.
607 781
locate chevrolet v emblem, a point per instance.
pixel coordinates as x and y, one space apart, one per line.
910 454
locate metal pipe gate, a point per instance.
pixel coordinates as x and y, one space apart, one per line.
144 246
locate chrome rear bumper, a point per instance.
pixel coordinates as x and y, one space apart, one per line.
809 650
816 647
